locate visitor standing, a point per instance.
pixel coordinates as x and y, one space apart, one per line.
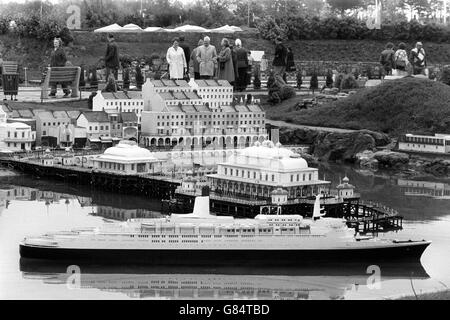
207 59
401 61
195 63
58 59
186 49
112 62
176 60
290 64
279 61
242 65
418 59
387 58
226 68
235 69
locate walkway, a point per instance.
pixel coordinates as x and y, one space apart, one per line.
301 126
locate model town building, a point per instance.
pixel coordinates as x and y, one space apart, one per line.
257 171
198 114
439 143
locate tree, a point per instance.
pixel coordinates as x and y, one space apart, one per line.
299 79
314 82
329 79
126 78
139 78
343 5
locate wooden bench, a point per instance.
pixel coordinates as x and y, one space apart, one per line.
10 78
61 75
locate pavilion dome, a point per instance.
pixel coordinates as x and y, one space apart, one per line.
127 150
267 154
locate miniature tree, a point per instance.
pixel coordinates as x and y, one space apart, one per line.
270 80
90 99
329 79
82 82
139 78
314 83
94 80
299 76
445 75
126 78
111 84
256 79
349 82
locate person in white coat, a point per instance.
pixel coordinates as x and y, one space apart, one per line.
177 61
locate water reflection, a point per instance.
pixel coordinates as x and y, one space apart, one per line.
170 282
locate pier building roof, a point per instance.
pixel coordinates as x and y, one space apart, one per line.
267 154
127 151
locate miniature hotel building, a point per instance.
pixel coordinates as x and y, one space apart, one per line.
198 114
435 190
129 101
257 171
126 158
439 143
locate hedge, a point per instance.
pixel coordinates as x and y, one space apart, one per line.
349 28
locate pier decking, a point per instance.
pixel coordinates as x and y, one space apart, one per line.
154 185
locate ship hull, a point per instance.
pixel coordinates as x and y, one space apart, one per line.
403 252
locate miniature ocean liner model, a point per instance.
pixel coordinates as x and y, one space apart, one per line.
202 238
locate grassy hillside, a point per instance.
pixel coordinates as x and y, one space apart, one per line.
35 54
395 107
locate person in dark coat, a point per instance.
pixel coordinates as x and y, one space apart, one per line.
242 66
387 58
112 61
58 59
279 61
235 69
186 49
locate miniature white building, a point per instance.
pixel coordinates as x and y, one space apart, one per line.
16 136
439 143
130 101
214 92
257 171
345 190
185 119
67 159
47 160
126 158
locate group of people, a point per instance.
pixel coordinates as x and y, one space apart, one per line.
415 62
232 63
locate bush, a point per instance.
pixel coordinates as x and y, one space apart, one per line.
299 76
445 75
349 82
314 83
287 92
329 79
297 27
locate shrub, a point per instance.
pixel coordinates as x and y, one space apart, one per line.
126 78
139 78
329 79
348 82
314 83
256 82
299 76
445 75
287 92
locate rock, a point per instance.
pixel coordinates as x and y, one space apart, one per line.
438 167
391 159
297 135
342 146
366 160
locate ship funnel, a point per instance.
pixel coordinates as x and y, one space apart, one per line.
317 212
201 207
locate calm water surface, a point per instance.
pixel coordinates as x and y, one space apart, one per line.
30 206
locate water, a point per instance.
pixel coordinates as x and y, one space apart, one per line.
30 206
